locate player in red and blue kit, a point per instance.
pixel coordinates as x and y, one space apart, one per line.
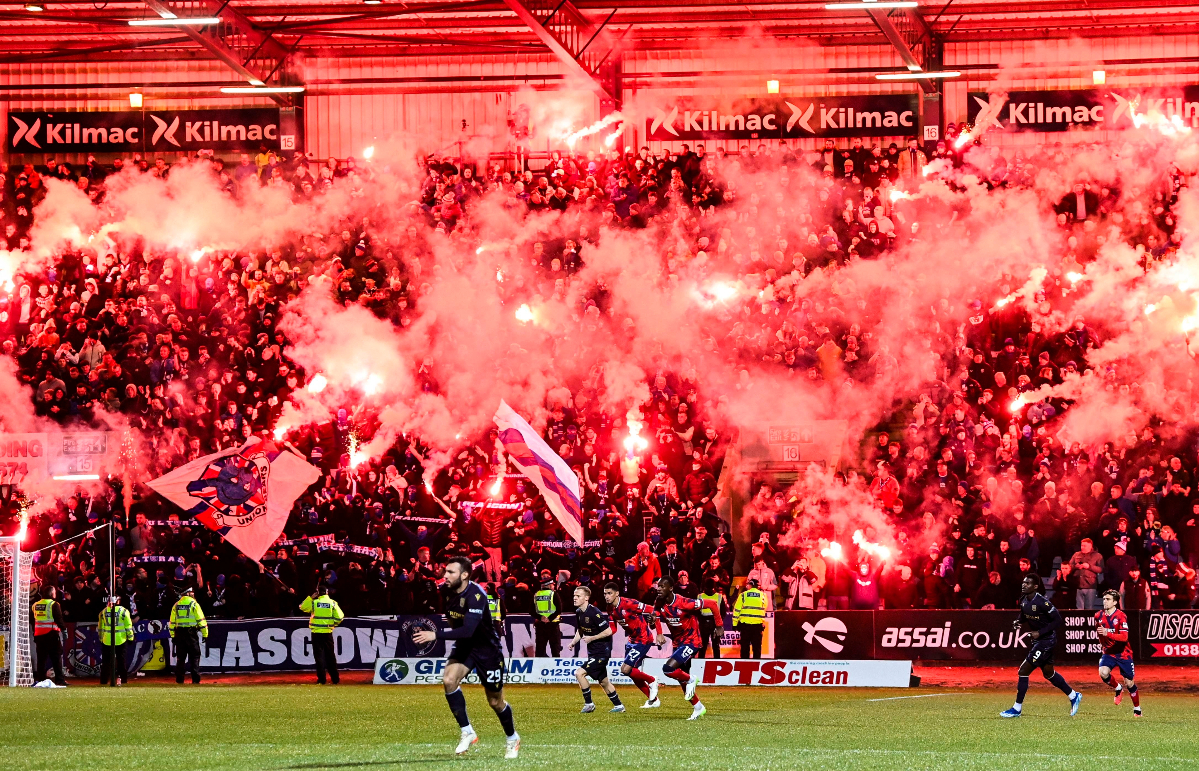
1112 626
634 617
682 614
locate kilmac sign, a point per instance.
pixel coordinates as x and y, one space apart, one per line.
149 131
1084 108
828 116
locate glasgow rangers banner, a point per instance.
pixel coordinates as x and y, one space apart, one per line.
778 118
1084 108
244 494
557 483
145 131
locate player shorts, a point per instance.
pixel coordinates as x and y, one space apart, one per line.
635 653
682 655
1124 665
487 663
596 668
1041 653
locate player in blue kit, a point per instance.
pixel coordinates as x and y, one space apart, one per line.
476 649
1042 620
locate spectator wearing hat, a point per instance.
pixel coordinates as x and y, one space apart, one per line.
1117 567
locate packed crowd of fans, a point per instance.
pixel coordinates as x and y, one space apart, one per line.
186 347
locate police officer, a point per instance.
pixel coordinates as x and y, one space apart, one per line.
707 623
47 633
187 626
324 614
547 631
495 606
115 628
749 615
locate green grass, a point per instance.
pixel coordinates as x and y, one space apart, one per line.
162 727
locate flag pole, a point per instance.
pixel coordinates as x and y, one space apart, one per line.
112 608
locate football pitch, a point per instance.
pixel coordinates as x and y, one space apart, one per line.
157 727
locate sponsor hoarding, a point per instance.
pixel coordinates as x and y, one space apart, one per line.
817 634
148 131
718 672
869 115
937 635
820 638
1169 634
1083 108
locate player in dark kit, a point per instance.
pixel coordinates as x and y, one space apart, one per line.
476 649
1112 626
634 617
1039 616
593 628
682 614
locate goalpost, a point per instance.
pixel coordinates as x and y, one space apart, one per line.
16 668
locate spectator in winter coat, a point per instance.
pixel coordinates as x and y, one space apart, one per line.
799 586
766 581
1087 565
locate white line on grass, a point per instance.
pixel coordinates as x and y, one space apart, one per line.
863 751
922 696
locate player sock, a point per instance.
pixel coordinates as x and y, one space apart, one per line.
1060 683
458 706
505 716
641 680
1136 697
614 697
1111 683
694 700
1021 690
679 675
586 695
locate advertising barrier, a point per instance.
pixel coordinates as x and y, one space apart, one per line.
1083 108
972 635
861 115
715 672
147 131
819 638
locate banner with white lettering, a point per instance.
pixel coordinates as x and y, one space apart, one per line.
928 635
148 131
871 115
1084 108
721 672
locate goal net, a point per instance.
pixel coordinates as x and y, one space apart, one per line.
16 665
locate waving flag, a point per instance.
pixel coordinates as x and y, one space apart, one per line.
245 494
557 483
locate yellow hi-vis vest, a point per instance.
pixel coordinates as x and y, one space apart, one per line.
324 614
750 607
543 603
118 616
493 605
187 614
43 617
714 597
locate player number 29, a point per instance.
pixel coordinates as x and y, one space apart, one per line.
494 675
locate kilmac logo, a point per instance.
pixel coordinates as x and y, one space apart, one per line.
812 117
171 130
712 120
829 631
